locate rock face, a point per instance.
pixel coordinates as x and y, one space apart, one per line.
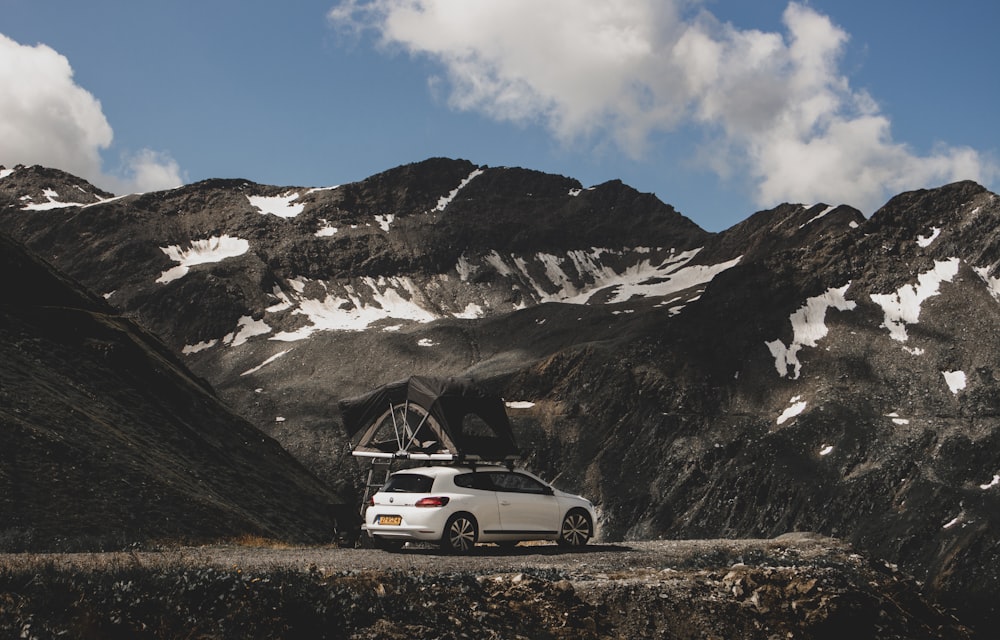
107 440
807 369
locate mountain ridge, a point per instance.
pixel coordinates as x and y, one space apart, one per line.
806 369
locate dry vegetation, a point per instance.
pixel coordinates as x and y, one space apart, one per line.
669 589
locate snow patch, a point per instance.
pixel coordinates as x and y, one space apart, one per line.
444 201
265 363
903 307
896 419
214 249
426 342
991 282
471 312
992 483
796 406
519 404
283 301
596 279
356 307
5 172
925 241
53 202
808 328
201 346
385 221
819 215
246 328
280 206
496 261
955 380
297 284
326 230
826 450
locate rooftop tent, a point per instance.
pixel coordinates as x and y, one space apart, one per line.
426 418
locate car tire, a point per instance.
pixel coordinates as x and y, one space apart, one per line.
576 529
460 533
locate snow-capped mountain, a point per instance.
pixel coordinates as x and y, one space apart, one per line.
807 369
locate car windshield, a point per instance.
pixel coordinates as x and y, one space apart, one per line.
409 483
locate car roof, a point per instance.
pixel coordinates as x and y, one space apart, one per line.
453 469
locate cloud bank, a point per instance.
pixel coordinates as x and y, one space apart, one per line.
773 106
47 119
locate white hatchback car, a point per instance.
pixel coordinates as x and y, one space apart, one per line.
458 506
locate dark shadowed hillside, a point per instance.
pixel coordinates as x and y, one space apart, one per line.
107 440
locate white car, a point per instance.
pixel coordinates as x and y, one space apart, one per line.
458 506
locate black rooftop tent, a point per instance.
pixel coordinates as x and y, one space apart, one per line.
425 418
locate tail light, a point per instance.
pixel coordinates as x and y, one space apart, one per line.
371 501
437 501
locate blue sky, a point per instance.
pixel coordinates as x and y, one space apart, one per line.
719 107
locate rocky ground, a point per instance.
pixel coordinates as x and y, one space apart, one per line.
797 586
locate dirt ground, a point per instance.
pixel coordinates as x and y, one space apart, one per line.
796 586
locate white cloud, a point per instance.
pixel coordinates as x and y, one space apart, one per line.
47 119
774 105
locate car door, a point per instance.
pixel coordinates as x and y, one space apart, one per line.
526 505
479 487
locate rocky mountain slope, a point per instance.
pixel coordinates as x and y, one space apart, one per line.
107 440
807 369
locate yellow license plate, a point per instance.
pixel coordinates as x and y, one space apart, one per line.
391 521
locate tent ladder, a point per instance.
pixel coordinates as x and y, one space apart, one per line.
378 475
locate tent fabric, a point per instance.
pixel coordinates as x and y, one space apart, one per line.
433 418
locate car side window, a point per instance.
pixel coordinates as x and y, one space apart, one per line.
517 483
480 481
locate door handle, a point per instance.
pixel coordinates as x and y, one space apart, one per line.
504 503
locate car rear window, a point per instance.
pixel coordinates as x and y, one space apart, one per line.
409 483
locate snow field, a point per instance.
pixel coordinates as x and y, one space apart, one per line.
903 307
808 328
280 206
214 249
366 301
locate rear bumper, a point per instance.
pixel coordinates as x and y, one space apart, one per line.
417 524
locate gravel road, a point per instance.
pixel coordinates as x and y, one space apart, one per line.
596 559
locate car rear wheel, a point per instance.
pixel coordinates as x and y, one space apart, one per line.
460 534
576 529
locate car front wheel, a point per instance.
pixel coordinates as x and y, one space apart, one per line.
460 534
576 529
